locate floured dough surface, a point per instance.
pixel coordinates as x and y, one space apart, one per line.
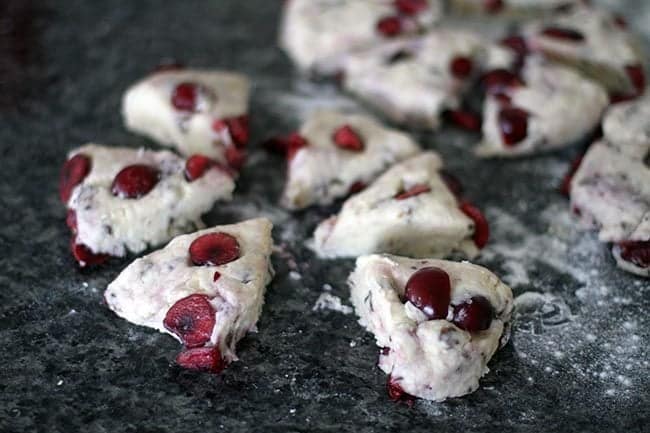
595 42
563 107
626 126
215 124
412 81
409 210
430 359
316 33
107 223
322 171
145 291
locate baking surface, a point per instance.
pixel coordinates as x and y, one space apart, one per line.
578 359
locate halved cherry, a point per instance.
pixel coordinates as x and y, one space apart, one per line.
390 26
411 7
191 319
513 124
416 189
636 252
348 138
474 315
481 227
74 171
397 393
185 96
214 249
134 181
84 256
429 289
196 166
563 33
461 67
202 359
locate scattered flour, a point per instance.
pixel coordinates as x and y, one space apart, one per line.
327 301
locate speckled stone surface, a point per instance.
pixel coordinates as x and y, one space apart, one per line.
578 359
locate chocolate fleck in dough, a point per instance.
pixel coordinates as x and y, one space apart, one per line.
431 358
338 152
195 111
113 212
409 210
149 287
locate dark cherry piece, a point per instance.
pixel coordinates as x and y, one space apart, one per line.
474 315
636 252
397 394
563 33
637 77
461 67
498 81
518 45
238 128
134 181
295 142
481 227
216 276
192 319
196 166
513 123
465 119
356 187
348 138
202 359
411 7
452 183
429 289
416 189
84 256
74 171
214 249
71 220
493 6
235 157
390 26
184 96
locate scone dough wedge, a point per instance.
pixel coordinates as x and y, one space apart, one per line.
438 322
316 33
409 210
206 289
123 200
542 108
195 111
414 81
610 191
594 41
334 153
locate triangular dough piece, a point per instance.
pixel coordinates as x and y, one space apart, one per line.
409 210
315 34
435 354
545 107
122 199
149 287
338 152
195 111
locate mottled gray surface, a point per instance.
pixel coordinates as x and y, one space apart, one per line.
578 359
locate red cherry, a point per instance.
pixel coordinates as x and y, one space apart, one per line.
493 6
389 26
474 315
518 45
513 123
397 394
202 359
84 256
636 252
637 77
192 319
429 289
461 67
563 33
236 158
74 171
214 249
465 119
184 96
347 138
295 142
216 276
411 7
498 81
356 187
134 181
481 227
196 166
416 189
565 186
238 128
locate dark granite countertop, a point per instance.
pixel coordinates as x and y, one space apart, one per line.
578 360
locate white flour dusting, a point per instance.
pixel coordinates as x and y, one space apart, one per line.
327 301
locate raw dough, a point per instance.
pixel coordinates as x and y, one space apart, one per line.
430 359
